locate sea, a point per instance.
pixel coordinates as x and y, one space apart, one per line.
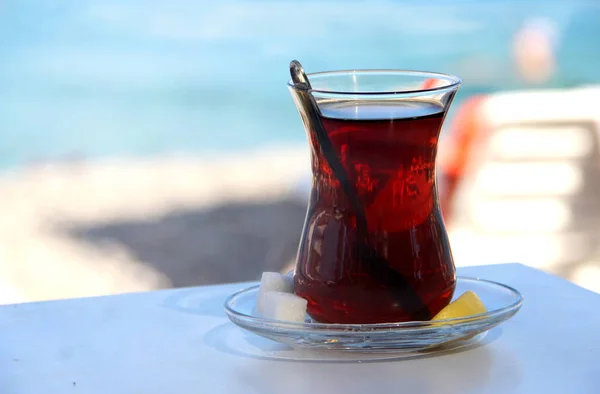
146 78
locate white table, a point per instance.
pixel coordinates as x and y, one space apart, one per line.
179 341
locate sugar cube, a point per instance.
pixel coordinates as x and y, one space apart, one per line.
284 307
273 281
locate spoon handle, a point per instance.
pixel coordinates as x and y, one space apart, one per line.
311 110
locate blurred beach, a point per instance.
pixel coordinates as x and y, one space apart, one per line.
111 226
79 229
146 145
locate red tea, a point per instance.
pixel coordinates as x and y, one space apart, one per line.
388 152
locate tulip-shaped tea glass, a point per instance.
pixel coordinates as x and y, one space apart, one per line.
374 248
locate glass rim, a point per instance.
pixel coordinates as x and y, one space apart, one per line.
453 81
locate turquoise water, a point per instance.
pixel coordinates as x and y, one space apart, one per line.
107 78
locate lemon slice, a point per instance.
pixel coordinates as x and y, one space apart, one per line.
466 305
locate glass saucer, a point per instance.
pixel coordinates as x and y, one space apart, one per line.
502 303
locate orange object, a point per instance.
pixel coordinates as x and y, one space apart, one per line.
432 83
467 127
